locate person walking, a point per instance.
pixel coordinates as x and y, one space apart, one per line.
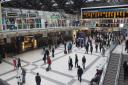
100 46
76 60
83 62
19 76
103 51
70 65
53 50
96 46
65 45
49 63
14 63
87 46
44 58
38 79
47 53
23 75
19 63
79 73
125 67
91 49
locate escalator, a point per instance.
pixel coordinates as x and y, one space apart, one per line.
112 68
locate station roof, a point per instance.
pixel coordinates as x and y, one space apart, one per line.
69 6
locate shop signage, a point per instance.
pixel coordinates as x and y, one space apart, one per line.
32 15
12 14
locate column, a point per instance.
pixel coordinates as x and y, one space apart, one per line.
0 18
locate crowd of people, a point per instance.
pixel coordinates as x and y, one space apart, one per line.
100 42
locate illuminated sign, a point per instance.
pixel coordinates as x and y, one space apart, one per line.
12 14
106 12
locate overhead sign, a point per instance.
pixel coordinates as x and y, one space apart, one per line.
105 12
32 15
12 14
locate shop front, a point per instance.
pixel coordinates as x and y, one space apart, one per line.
29 42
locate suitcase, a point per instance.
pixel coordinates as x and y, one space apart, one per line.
47 69
65 52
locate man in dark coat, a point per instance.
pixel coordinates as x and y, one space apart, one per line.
19 63
126 46
53 50
79 73
70 65
38 79
44 58
76 60
91 48
125 67
24 75
83 61
87 46
96 46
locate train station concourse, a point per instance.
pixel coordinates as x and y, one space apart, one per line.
63 42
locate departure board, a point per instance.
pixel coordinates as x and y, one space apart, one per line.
108 12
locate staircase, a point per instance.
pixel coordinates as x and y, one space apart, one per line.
121 74
112 68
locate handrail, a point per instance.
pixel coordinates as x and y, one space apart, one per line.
105 67
118 70
119 65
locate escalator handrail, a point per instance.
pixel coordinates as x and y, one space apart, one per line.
119 66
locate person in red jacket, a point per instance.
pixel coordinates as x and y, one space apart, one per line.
14 63
49 63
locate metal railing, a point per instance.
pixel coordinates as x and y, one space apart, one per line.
119 66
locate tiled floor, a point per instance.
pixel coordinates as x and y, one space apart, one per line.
59 75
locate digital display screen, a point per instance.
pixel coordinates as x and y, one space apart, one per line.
119 12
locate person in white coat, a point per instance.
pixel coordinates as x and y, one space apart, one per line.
19 76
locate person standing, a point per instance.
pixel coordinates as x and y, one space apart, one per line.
23 75
76 60
91 48
38 79
49 62
125 67
79 73
19 63
14 63
53 50
44 58
83 62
